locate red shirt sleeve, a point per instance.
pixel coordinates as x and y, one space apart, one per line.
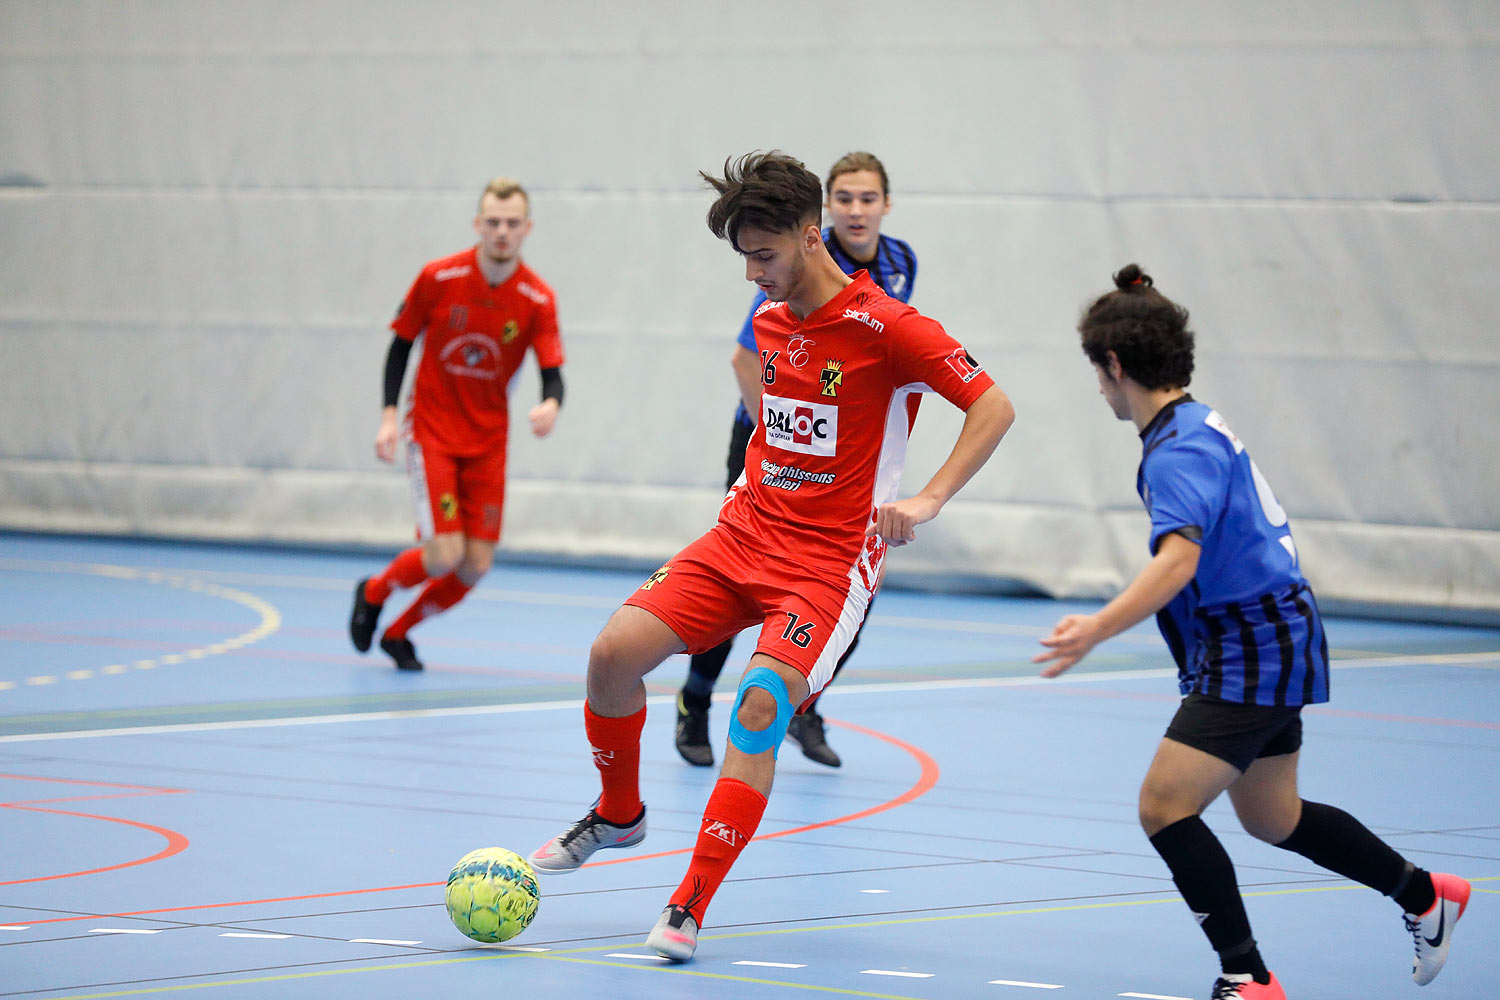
411 315
922 351
547 343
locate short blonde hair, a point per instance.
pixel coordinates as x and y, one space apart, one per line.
502 188
854 162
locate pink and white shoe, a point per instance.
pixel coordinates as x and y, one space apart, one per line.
1242 987
675 936
1432 932
570 849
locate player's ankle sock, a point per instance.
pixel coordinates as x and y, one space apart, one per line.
1244 960
729 821
1205 877
439 595
693 700
1415 893
617 754
1331 838
406 570
699 685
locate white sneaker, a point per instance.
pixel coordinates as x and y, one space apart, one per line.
675 936
1432 932
568 851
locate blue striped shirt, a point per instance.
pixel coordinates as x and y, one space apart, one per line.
1246 629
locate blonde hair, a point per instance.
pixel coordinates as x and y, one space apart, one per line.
853 162
503 187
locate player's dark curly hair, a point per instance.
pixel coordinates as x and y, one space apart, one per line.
1147 331
770 191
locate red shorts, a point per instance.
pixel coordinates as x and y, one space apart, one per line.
720 585
457 494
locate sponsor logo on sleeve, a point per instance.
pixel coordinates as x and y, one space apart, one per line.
657 577
449 273
963 364
793 425
539 297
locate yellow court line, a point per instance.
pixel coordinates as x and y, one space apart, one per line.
568 954
270 622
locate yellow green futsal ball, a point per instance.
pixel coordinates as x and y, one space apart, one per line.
492 894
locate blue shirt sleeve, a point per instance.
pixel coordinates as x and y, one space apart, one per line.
1186 487
746 338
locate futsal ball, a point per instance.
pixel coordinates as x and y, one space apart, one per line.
492 894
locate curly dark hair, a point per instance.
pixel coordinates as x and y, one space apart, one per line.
1147 331
770 191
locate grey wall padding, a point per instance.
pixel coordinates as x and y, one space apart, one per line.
209 211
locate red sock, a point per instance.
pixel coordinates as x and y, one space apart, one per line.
729 821
438 596
617 754
405 570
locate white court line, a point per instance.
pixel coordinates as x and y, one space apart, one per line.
1151 996
122 930
15 927
399 944
626 954
903 975
1032 986
875 892
1084 677
255 935
773 965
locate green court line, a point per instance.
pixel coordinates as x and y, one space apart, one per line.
569 955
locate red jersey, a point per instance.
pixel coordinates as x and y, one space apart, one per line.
475 338
834 418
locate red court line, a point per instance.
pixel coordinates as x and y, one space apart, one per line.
924 783
176 843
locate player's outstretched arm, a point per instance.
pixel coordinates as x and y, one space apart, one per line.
1163 578
985 423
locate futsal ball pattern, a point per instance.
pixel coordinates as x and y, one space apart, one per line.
492 894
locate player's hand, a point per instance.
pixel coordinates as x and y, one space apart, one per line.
1070 641
385 439
542 417
897 522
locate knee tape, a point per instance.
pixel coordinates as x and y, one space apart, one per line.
759 741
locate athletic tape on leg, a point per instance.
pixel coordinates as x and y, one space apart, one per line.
752 741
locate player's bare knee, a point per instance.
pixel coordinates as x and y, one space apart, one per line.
441 554
1158 810
757 710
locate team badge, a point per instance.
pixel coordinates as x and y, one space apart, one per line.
512 331
449 505
657 577
832 377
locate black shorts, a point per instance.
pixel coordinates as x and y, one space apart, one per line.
1234 733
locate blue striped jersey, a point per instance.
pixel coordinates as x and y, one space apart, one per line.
894 269
1246 629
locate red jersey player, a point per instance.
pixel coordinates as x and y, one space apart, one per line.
799 542
477 312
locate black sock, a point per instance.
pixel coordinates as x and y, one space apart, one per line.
1205 877
704 668
692 700
1331 838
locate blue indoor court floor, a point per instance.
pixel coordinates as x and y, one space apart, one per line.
205 791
